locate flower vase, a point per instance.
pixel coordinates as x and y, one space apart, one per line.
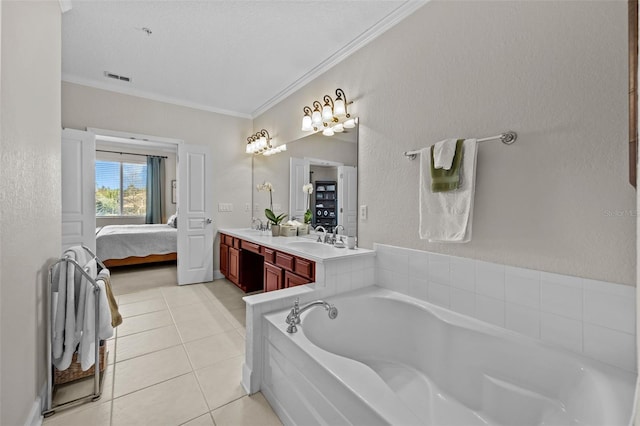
275 230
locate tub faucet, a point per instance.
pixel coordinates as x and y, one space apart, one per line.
260 227
294 316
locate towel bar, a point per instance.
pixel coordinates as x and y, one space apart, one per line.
507 138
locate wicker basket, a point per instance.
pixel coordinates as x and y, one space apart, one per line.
74 372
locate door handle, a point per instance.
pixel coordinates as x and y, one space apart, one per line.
208 220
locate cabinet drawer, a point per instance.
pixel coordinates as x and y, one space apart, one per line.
228 240
292 280
304 267
269 254
285 261
246 245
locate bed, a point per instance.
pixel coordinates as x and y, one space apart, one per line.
120 245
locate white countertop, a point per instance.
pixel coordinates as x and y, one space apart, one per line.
304 246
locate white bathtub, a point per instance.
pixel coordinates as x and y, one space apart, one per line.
392 359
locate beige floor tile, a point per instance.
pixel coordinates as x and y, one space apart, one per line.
220 382
232 303
197 329
146 342
93 413
146 370
183 298
79 388
143 277
250 410
144 322
173 402
208 351
194 312
205 420
142 307
236 316
139 296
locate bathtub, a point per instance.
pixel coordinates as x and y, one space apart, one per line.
391 359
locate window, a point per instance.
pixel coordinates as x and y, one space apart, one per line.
121 188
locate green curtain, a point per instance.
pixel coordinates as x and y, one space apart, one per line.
155 183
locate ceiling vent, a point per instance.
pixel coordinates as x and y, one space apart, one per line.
117 77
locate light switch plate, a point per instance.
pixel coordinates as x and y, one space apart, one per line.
363 212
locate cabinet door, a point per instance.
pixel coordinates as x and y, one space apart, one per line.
272 277
234 265
224 259
292 280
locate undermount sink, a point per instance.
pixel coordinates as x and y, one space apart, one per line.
312 247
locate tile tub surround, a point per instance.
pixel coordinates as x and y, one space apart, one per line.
591 317
333 276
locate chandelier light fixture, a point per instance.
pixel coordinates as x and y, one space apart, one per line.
260 143
330 118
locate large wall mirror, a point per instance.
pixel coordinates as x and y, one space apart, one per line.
329 163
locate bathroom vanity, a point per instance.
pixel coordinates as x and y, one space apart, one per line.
254 262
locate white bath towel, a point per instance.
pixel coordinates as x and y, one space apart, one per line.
443 153
64 338
86 350
448 216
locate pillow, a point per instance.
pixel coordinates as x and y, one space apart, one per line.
173 221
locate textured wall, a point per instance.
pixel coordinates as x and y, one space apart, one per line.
87 107
29 196
556 72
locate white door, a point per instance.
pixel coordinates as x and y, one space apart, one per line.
78 189
195 212
348 199
298 176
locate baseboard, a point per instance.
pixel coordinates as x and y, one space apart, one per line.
217 275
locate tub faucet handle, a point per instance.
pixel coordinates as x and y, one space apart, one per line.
294 317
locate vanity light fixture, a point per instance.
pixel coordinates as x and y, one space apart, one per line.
330 118
260 143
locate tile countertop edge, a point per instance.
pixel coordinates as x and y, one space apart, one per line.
281 244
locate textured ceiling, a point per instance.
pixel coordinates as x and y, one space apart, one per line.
235 57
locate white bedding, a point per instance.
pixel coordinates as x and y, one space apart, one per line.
122 241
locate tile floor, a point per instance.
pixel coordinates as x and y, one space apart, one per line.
175 360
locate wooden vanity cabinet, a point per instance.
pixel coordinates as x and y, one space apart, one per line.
273 277
234 266
253 267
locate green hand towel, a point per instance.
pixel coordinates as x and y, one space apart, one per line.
443 180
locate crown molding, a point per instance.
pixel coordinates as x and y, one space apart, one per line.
393 18
151 96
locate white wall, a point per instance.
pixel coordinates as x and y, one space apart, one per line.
29 196
555 72
88 107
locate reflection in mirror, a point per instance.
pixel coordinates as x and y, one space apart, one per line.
329 163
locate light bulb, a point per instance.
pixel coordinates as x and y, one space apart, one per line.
339 109
350 123
283 147
263 142
306 124
327 113
338 128
328 131
248 149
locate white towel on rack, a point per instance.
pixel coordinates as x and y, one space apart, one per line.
443 153
64 339
86 350
448 216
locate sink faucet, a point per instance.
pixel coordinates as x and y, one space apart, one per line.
260 227
294 316
324 234
335 233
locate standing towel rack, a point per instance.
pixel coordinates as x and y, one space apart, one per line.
507 138
49 409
